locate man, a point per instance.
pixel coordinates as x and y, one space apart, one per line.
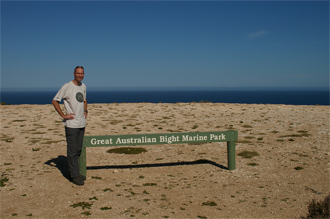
73 94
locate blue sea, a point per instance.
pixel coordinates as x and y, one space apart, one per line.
248 96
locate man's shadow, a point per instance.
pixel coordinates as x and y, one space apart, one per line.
61 163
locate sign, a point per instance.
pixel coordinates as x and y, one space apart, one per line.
153 139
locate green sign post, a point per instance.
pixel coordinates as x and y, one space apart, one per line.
157 139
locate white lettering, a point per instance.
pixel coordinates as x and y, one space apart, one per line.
185 138
108 141
217 137
168 139
94 141
134 140
194 138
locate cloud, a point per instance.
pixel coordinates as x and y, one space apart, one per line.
257 34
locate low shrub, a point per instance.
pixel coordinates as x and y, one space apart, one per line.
318 209
127 150
248 154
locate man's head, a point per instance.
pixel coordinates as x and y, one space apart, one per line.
78 74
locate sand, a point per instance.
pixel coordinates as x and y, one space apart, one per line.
167 181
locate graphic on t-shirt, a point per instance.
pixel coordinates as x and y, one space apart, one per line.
80 97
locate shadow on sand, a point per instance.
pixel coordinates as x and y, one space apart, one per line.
61 163
181 163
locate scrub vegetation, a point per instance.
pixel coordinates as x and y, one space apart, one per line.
127 150
282 153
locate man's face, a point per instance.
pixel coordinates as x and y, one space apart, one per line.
79 74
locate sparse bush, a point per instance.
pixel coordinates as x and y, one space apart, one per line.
3 180
318 209
127 150
253 164
86 213
248 154
83 205
149 184
209 203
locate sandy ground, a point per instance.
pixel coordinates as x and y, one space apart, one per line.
168 181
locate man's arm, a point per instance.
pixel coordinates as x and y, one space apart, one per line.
85 108
59 110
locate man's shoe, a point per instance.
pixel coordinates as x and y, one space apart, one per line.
82 176
78 181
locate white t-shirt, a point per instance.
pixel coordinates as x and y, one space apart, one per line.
73 98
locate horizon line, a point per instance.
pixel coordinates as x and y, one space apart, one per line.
164 88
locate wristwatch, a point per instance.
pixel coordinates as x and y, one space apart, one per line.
86 111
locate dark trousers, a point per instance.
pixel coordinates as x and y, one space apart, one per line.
74 139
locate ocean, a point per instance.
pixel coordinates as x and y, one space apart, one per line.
288 97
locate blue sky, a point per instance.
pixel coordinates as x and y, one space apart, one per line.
165 43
